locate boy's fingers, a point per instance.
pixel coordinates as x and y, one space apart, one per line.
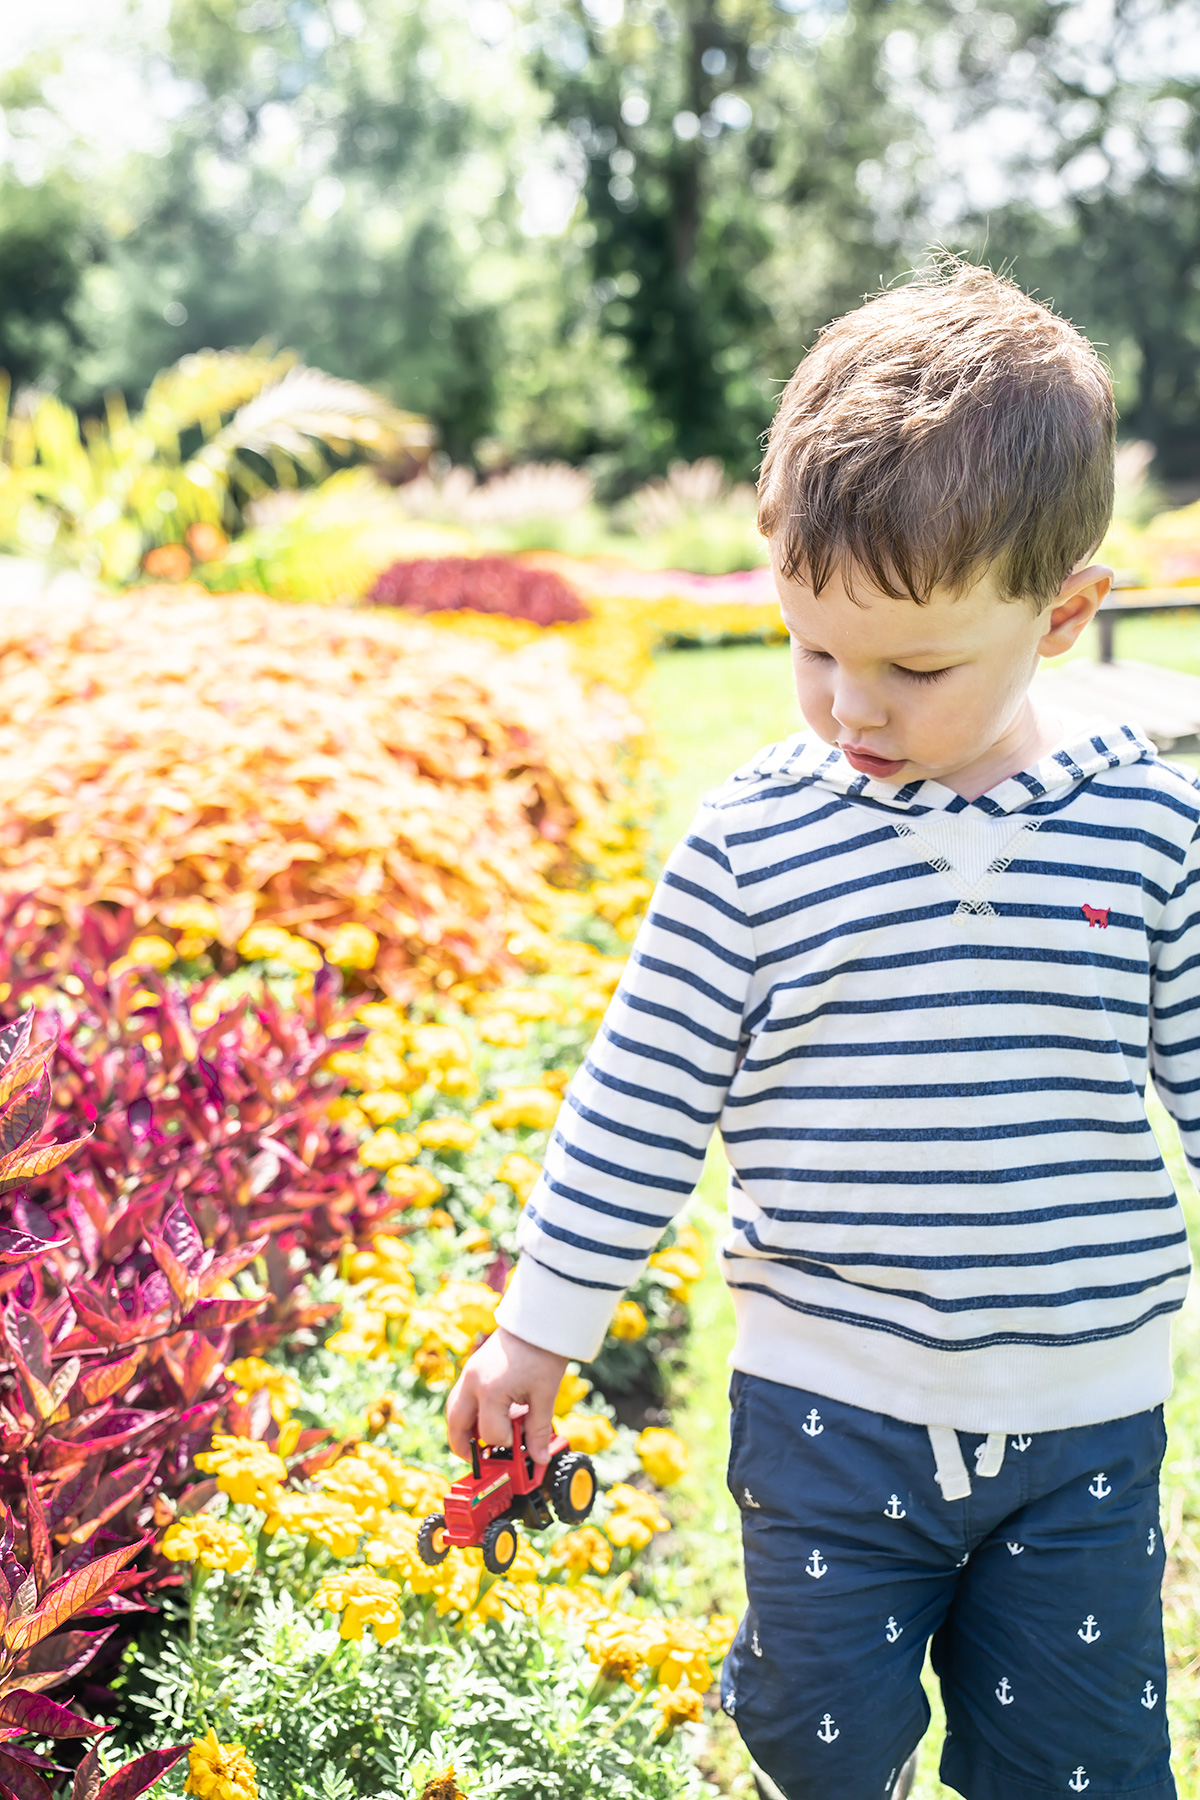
495 1427
539 1426
461 1414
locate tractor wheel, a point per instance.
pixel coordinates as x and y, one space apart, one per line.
433 1546
500 1546
572 1486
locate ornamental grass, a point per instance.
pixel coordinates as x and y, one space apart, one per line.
215 764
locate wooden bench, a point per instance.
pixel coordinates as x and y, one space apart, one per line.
1125 603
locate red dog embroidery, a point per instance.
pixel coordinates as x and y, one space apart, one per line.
1096 915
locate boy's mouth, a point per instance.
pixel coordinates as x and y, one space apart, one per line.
868 764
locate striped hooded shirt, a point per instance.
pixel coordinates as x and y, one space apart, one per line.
924 1027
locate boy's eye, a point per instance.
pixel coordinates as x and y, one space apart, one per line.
818 656
922 674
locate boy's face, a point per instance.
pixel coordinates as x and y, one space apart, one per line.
939 691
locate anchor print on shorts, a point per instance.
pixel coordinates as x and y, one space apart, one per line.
1089 1631
816 1566
812 1426
1151 1540
749 1500
729 1703
893 1631
1004 1693
1100 1487
1149 1696
1021 1442
1014 1549
893 1509
827 1730
1079 1780
755 1646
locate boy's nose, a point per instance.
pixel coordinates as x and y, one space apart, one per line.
856 708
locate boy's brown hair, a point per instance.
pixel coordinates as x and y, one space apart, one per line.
950 424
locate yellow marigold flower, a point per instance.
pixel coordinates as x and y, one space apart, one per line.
384 1410
457 1081
353 947
443 1787
441 1220
420 1491
677 1649
663 1455
392 1544
615 1646
635 1517
363 1334
590 1432
385 1017
213 1542
719 1633
629 1322
271 943
385 1105
677 1706
529 1003
245 1470
220 1771
447 1134
438 1047
683 1269
190 945
504 1030
520 1173
458 1588
149 952
687 1238
385 1148
434 1365
346 1111
388 1259
582 1550
579 1601
288 1437
475 1241
571 1390
535 1108
416 1187
194 915
363 1598
252 1375
334 1523
355 1483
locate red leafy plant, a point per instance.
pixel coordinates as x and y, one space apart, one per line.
202 1147
486 584
45 1591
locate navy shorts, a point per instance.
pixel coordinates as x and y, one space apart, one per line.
1040 1591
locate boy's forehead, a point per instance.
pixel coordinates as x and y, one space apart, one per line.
851 608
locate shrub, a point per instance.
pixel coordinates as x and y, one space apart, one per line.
310 768
486 584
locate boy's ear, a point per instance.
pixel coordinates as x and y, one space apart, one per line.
1075 606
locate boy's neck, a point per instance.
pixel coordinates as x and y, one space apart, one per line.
1033 733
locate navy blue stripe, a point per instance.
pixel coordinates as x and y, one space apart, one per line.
652 1096
1027 1259
652 1053
1025 1215
966 1303
651 1140
988 1341
655 1222
947 1047
939 1090
668 1015
639 1177
703 942
991 997
560 1235
608 1287
826 853
930 1134
1092 1165
674 973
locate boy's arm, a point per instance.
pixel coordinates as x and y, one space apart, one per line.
631 1138
1175 1006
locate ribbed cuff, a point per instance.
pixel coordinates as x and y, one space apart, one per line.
555 1314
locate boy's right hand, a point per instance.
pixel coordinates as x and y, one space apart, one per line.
505 1377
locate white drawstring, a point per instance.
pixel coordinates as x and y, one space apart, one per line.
950 1471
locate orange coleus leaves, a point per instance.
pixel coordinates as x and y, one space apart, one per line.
305 766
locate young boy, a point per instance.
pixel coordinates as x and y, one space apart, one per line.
915 963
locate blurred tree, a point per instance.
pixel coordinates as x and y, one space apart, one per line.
718 143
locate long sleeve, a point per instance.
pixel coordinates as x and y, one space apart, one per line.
630 1142
1175 1006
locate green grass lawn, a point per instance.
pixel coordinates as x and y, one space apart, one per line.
711 710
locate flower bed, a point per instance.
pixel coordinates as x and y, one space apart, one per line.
212 763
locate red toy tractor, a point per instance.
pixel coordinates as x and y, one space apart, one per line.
506 1485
